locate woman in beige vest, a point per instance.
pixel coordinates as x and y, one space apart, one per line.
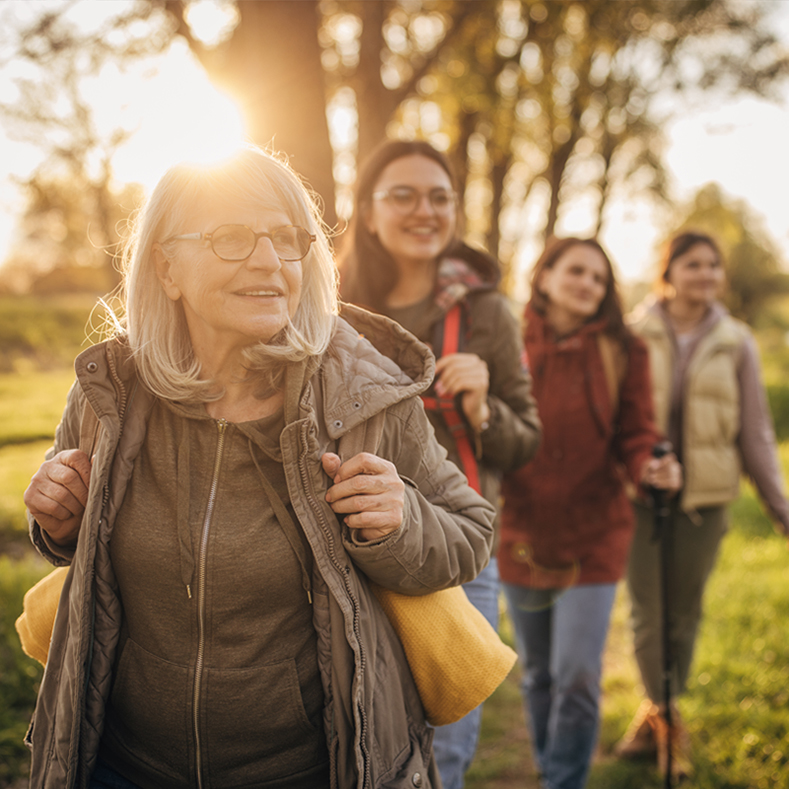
710 402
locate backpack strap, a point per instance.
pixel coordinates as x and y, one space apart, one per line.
451 333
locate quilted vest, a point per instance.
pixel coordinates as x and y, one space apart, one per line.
711 407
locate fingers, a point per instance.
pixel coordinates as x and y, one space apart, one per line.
461 372
58 493
664 473
367 491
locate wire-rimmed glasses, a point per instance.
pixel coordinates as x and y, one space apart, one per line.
405 199
237 242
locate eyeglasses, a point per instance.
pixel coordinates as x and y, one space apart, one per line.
238 242
405 199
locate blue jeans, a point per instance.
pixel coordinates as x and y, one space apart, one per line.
454 745
560 638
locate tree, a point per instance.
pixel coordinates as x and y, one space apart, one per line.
270 62
754 270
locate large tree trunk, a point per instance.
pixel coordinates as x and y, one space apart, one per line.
272 66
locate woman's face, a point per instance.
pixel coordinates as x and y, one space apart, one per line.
697 275
576 284
420 235
231 305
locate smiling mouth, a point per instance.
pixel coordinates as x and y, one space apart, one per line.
258 293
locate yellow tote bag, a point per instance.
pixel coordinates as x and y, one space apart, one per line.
37 619
456 658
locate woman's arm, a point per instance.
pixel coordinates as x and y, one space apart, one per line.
757 437
514 429
446 530
57 494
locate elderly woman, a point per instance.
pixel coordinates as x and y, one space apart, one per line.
217 626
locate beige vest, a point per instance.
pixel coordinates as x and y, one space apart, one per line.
711 407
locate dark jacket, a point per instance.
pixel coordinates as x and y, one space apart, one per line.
568 507
374 722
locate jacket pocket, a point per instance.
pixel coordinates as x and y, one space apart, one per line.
256 725
148 717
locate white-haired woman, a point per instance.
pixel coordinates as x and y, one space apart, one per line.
216 626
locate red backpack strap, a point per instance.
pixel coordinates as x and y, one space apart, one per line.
451 331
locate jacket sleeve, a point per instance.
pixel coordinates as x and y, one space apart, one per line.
514 431
66 437
447 532
757 436
636 432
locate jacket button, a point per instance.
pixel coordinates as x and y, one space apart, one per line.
92 367
416 779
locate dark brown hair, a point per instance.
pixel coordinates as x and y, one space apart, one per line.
680 244
368 273
611 305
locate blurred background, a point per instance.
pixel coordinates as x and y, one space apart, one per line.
626 119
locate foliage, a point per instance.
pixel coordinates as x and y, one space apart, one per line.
19 675
544 106
753 266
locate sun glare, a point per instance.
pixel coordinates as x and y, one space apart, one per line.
185 118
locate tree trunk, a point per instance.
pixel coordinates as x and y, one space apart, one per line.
272 66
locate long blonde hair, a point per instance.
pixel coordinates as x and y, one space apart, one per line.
156 326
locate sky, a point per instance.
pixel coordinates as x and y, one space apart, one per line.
176 113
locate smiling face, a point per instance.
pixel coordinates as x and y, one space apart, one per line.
575 285
419 237
231 305
697 276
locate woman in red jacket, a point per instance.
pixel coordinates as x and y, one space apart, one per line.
566 519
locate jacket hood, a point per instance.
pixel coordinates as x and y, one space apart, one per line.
372 363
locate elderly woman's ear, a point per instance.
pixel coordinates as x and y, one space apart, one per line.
163 265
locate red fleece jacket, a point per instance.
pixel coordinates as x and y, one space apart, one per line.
566 517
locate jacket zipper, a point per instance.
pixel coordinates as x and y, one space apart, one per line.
201 573
345 573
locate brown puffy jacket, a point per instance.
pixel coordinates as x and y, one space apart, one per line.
373 718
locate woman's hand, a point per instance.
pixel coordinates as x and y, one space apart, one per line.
467 373
368 491
58 493
664 473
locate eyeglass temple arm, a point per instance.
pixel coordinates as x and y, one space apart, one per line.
189 236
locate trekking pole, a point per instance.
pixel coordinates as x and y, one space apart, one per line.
662 532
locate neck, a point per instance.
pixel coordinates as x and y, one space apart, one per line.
245 398
415 282
562 322
686 314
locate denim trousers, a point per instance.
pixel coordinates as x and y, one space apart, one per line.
560 637
454 745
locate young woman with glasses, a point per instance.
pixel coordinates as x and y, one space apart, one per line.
217 626
566 522
404 258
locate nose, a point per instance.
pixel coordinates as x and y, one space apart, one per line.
264 256
424 206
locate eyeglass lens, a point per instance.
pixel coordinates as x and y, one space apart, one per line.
406 199
237 242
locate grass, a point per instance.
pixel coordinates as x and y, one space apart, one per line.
737 704
31 404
